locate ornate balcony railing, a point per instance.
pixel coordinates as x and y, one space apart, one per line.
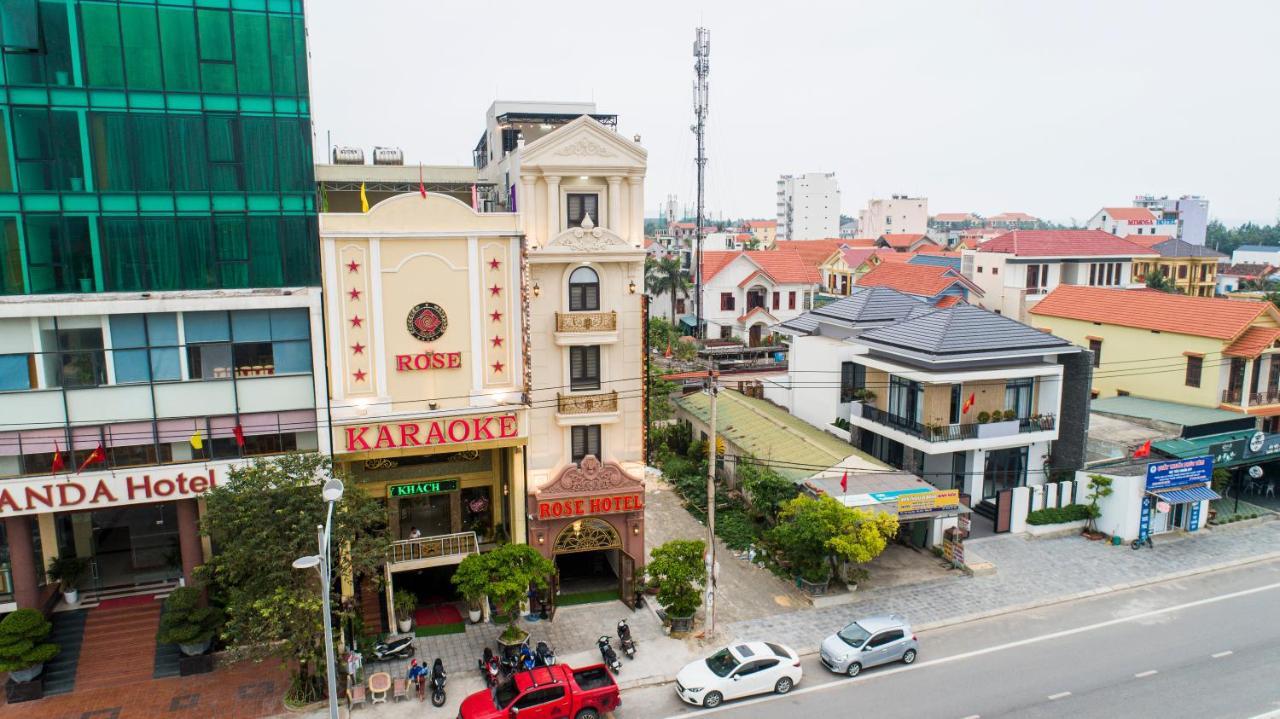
955 432
587 403
586 321
440 546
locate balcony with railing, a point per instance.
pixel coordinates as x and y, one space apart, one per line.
1271 395
574 328
934 433
569 404
434 551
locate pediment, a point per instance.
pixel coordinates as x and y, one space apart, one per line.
590 476
583 142
587 238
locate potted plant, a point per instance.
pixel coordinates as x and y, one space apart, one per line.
678 569
68 571
984 417
510 571
815 534
404 602
1099 487
23 652
472 580
1010 415
191 624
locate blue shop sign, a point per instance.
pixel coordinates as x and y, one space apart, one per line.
1179 472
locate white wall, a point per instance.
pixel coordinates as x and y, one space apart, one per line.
1255 256
809 206
896 215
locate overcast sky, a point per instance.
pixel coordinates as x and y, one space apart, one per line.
1052 108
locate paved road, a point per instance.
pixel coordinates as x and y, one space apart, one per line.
1206 646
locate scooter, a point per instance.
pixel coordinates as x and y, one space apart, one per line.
546 655
525 660
401 648
624 639
490 667
438 679
607 654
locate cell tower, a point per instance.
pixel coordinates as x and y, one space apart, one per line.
701 68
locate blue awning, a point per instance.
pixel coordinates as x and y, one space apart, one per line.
1190 494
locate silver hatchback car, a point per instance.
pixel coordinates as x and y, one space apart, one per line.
870 642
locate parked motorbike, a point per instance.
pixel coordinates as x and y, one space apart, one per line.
625 640
607 655
401 648
545 654
525 660
438 679
490 667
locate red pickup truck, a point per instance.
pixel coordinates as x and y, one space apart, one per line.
554 692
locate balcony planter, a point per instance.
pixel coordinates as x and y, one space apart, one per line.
992 430
16 691
855 409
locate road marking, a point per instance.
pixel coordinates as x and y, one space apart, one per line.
1147 673
1059 695
988 650
1220 655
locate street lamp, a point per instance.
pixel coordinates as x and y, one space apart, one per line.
332 492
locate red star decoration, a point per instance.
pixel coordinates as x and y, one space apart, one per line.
496 316
497 366
353 266
493 291
354 293
359 375
493 264
357 348
356 321
497 341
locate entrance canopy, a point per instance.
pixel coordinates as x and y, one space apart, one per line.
1183 495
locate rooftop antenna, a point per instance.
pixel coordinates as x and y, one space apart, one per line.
701 68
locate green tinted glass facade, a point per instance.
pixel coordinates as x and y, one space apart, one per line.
155 145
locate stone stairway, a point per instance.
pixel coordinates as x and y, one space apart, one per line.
68 633
119 646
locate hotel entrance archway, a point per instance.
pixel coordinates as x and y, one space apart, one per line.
587 556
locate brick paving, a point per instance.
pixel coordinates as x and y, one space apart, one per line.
246 690
1028 572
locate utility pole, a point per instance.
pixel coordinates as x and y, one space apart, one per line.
713 390
701 67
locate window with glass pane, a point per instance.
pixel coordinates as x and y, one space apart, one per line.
17 371
10 257
259 135
111 150
59 258
51 61
178 48
906 397
33 149
579 206
586 441
853 377
285 57
187 141
1017 396
195 245
266 260
217 73
584 368
231 251
223 153
208 337
150 149
141 40
584 290
81 358
100 29
6 170
293 144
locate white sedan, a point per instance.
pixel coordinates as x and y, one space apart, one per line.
738 671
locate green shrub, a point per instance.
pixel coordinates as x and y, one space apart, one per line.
735 528
185 621
1058 515
984 417
1010 414
22 644
677 568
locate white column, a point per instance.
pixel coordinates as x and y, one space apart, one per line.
636 183
615 205
553 207
527 206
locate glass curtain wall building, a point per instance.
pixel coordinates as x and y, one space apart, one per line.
159 274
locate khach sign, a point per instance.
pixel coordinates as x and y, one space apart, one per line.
417 489
1179 472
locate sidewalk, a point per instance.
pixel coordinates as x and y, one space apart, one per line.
1029 573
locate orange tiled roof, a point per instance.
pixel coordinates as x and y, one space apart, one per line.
762 223
903 241
921 280
815 252
1161 311
1253 341
1148 241
885 255
1129 214
1064 243
754 311
946 301
783 266
860 242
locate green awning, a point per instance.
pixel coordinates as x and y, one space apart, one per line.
1227 449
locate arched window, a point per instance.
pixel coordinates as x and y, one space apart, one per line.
584 290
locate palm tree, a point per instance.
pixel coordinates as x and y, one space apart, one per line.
665 276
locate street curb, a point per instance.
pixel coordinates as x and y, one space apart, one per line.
653 681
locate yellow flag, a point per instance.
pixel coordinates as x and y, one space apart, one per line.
196 441
364 200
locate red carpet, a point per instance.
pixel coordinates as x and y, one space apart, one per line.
122 602
436 614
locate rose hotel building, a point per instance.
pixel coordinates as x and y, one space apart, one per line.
159 278
486 350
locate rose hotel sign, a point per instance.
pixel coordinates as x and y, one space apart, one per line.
74 492
609 504
429 433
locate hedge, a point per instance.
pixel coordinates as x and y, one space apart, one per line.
1059 515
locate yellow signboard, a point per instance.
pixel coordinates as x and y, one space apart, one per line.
925 502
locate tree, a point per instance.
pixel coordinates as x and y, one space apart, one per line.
767 489
511 570
1158 280
186 619
263 517
678 569
1099 487
815 534
22 640
664 276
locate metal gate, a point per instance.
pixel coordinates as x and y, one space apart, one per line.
1004 510
553 588
626 579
